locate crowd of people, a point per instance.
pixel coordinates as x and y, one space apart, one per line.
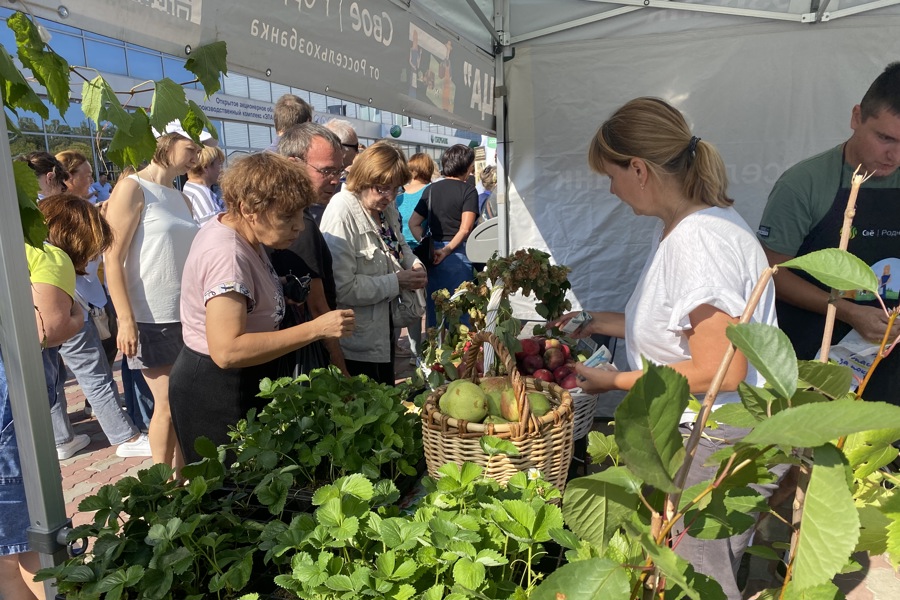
302 256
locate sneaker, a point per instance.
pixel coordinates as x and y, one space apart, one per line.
73 446
88 411
139 447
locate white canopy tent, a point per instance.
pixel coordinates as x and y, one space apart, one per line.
768 81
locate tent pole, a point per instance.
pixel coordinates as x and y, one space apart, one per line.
501 18
27 384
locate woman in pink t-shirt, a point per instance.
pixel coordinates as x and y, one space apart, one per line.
232 303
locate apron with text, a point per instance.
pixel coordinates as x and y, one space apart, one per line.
875 240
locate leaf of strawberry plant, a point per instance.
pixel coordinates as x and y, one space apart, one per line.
168 104
493 446
208 63
468 573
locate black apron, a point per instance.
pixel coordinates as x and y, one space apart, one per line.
875 238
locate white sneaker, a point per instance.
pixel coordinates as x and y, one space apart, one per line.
139 447
73 446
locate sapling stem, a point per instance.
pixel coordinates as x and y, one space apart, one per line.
831 312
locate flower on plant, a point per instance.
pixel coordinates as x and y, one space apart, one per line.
533 474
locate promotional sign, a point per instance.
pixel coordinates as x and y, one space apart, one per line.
369 51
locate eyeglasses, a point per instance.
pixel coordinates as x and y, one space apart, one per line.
354 147
387 191
329 172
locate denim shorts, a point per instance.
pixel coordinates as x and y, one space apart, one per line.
14 519
158 345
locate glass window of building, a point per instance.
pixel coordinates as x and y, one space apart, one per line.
318 102
236 135
105 57
24 143
260 136
173 68
70 47
143 65
279 90
26 121
72 123
234 84
259 89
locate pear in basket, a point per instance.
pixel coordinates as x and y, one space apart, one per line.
493 387
540 404
464 401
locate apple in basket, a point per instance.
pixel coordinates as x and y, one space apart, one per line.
560 373
532 363
570 382
529 348
543 375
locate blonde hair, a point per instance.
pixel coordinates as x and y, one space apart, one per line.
71 160
656 132
164 145
208 155
266 183
382 164
489 177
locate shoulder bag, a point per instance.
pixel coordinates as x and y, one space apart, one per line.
409 307
424 251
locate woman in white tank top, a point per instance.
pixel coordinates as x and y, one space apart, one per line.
153 228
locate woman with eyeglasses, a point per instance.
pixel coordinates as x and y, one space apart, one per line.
362 228
450 207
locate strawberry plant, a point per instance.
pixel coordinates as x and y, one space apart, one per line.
320 427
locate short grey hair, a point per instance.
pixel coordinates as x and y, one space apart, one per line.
295 142
344 131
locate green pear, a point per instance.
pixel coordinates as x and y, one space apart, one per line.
464 401
540 404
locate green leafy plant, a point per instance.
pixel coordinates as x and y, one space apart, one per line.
622 518
468 538
153 537
320 427
133 142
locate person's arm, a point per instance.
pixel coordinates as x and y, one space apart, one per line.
869 321
602 323
707 344
123 212
318 306
58 317
415 226
231 347
465 228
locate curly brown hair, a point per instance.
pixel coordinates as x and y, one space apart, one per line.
266 183
76 227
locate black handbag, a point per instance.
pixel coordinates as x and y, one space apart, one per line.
424 251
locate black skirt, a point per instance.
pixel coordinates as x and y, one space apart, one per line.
206 400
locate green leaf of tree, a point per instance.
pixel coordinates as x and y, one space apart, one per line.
756 400
594 507
830 526
726 514
868 451
734 414
208 63
813 425
168 104
600 446
647 425
891 510
49 68
33 227
100 103
585 580
16 91
770 351
826 378
134 144
195 121
837 269
679 572
873 531
825 591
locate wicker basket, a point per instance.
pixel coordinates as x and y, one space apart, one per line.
544 443
584 407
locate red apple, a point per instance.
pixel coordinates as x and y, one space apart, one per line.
554 358
567 352
530 347
569 382
552 343
541 341
560 373
532 363
544 375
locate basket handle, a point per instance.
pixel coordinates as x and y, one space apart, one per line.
518 381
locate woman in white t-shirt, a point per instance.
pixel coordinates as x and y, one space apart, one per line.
232 302
703 263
